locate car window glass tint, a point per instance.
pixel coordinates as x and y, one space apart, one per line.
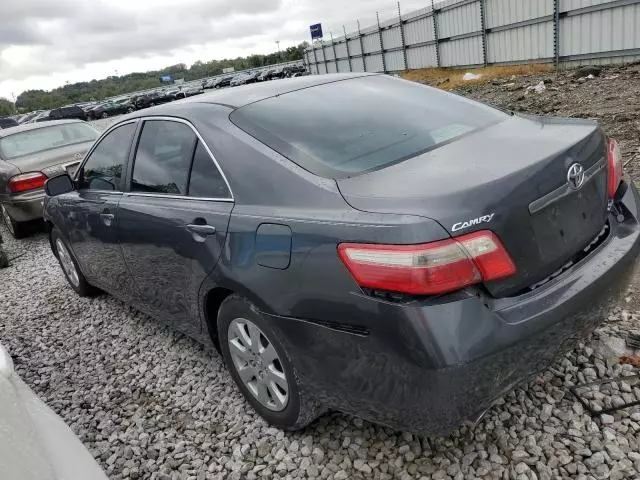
345 128
163 158
206 180
103 168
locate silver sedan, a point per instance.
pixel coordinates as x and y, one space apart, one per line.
31 153
36 444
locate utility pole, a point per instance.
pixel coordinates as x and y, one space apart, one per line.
278 43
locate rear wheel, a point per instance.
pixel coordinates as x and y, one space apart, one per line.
72 273
4 260
261 367
16 229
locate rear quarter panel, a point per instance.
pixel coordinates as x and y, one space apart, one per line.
269 188
7 170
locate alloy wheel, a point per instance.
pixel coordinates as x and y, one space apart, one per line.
258 364
67 263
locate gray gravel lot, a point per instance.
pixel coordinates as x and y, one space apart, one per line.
151 403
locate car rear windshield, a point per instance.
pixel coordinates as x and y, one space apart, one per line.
352 126
45 138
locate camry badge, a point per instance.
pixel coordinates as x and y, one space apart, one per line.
472 222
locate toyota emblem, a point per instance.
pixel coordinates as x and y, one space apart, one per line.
575 176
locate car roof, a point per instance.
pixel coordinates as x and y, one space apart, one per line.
240 96
25 127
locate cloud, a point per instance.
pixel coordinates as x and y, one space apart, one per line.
42 40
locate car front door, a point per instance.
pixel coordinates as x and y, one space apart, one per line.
172 220
91 212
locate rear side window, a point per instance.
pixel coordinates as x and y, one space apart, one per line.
45 138
206 180
349 127
163 158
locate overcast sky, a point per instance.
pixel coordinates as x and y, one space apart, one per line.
45 43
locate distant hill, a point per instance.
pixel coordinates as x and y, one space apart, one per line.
116 85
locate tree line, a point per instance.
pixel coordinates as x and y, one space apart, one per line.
116 85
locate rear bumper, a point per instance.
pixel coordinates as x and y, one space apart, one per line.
439 364
26 206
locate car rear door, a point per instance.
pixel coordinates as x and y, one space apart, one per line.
91 211
173 220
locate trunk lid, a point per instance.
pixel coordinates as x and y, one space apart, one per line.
512 179
52 162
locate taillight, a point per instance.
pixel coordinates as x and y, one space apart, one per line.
615 167
26 181
430 268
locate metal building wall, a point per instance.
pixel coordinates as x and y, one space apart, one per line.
506 12
482 32
460 20
422 57
601 31
532 42
391 38
419 31
467 51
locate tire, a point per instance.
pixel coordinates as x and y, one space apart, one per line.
16 229
4 260
105 115
235 314
130 110
74 277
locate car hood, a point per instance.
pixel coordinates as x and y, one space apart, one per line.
35 444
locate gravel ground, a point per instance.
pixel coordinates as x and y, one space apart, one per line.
151 403
612 98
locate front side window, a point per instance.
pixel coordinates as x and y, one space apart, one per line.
46 138
163 158
104 167
206 180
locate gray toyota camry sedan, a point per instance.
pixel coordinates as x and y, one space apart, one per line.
355 242
31 153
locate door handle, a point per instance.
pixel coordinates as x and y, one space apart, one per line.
107 218
202 230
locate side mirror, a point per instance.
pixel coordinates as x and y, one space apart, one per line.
58 185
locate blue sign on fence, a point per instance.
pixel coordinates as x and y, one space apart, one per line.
316 31
166 78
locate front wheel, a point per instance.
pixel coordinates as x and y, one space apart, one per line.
261 367
16 229
72 273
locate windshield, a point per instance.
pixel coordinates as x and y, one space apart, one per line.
45 138
349 127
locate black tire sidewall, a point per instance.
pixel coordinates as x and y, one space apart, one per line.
16 229
238 307
83 289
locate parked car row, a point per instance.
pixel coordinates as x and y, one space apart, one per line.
244 78
129 103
